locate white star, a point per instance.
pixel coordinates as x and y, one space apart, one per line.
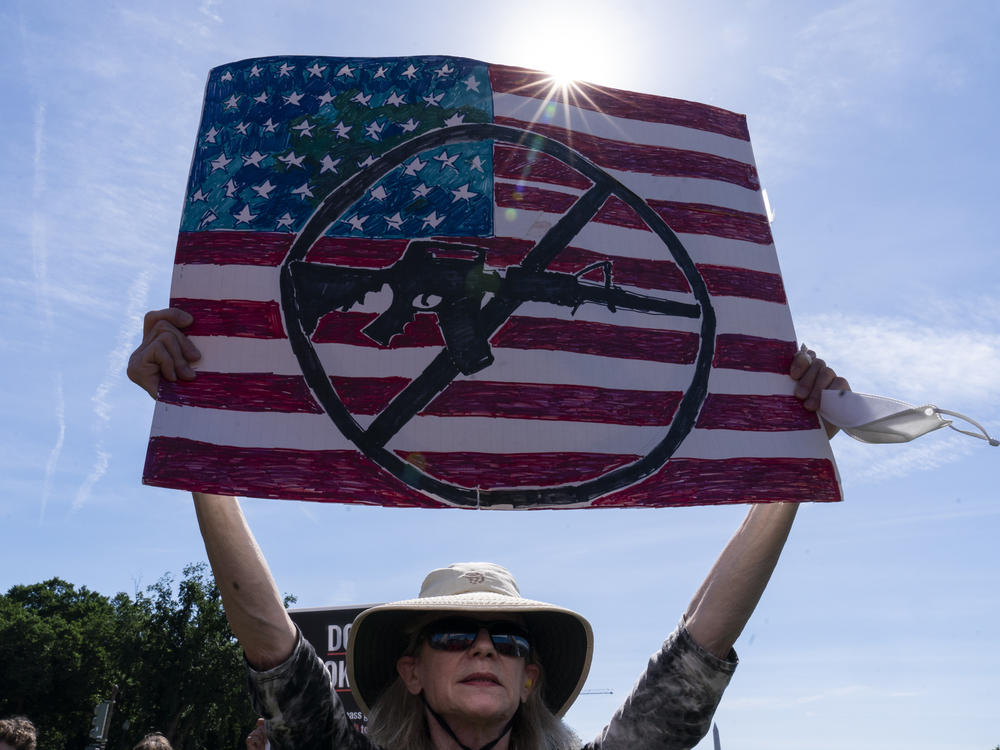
380 73
199 196
374 130
420 190
369 160
410 72
395 99
444 70
325 98
255 72
394 221
432 220
284 221
316 70
361 99
220 162
455 119
357 221
463 193
329 165
346 70
409 125
471 83
264 189
231 101
261 98
433 100
210 135
230 189
227 76
379 194
269 126
254 159
294 98
286 70
244 216
477 163
292 160
447 161
414 166
304 128
342 130
207 218
242 128
303 191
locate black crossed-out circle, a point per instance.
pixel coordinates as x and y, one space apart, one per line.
442 370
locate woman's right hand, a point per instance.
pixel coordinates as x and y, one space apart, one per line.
164 352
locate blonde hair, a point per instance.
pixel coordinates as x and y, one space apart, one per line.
18 732
153 741
398 721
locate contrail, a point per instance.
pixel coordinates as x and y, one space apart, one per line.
117 359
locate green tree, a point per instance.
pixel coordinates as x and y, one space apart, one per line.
170 651
56 658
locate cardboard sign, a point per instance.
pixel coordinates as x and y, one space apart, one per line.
430 281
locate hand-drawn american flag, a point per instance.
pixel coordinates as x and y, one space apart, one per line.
344 163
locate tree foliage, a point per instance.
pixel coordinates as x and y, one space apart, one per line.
178 668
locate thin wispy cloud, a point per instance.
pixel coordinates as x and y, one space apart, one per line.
53 460
949 357
39 246
952 362
136 297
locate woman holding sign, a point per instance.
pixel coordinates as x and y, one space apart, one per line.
470 664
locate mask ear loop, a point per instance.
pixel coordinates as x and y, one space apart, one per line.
985 436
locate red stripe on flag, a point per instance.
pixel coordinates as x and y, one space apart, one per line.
694 481
233 247
508 195
270 248
356 251
571 403
692 218
615 102
232 317
682 218
729 411
333 476
637 157
266 392
725 281
489 470
245 391
621 342
524 164
734 351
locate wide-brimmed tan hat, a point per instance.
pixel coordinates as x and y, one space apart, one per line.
562 640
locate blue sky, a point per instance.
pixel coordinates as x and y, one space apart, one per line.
874 127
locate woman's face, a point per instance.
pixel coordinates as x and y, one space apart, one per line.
475 687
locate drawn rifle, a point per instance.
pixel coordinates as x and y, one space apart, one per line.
453 288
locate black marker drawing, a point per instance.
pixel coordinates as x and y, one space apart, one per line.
455 289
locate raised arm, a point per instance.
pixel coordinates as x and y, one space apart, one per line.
249 594
723 604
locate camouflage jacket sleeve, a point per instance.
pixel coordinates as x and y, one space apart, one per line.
301 707
672 704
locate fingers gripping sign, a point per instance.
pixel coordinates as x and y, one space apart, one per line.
813 376
164 352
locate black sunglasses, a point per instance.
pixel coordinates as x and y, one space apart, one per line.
459 633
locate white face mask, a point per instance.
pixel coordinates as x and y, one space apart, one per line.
877 419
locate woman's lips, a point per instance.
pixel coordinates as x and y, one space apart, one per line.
481 677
